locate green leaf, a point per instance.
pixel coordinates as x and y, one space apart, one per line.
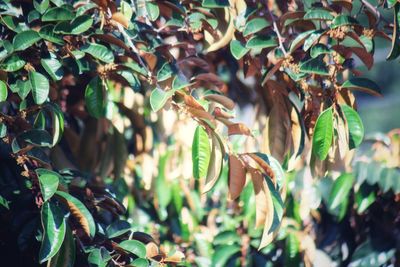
48 181
354 125
340 190
25 39
368 43
343 20
319 49
153 10
362 84
22 88
79 211
318 14
178 83
261 42
53 223
126 9
57 121
278 171
140 262
33 15
58 14
238 49
99 257
292 252
255 25
40 87
99 51
215 3
65 257
314 36
201 153
41 5
366 255
364 198
37 137
4 203
3 91
95 97
223 254
118 228
135 247
158 98
53 67
3 130
395 49
47 33
81 24
323 134
165 72
299 40
314 66
12 64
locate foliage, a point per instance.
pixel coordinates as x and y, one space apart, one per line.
126 141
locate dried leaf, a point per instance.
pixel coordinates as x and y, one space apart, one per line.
239 129
237 177
121 19
216 160
221 99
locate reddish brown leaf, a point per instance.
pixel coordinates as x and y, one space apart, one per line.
239 129
237 177
223 100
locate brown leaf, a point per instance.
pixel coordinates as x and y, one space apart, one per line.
264 205
237 177
216 160
278 135
201 114
239 129
151 250
190 100
77 214
177 257
121 19
209 78
221 99
263 165
226 29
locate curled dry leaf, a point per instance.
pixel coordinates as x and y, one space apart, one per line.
177 257
264 205
121 19
190 100
219 113
79 212
239 129
200 114
151 250
226 30
237 177
265 167
221 99
216 161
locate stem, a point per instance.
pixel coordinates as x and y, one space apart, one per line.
373 9
276 30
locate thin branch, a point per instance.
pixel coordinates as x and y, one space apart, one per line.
276 30
375 11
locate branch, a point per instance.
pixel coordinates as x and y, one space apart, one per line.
276 30
374 11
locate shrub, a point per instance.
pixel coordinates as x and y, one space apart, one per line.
120 144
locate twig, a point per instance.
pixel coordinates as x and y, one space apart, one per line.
375 11
276 30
